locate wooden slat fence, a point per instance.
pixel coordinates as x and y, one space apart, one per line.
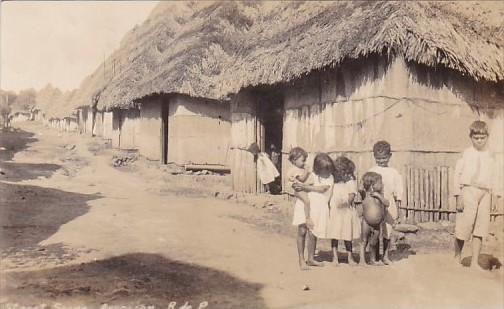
429 196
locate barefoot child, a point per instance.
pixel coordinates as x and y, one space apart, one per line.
475 178
343 222
392 191
299 174
374 207
319 193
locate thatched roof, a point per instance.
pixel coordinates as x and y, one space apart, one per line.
189 47
62 106
296 38
130 47
211 50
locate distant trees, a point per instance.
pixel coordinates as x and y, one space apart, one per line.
7 99
47 96
26 100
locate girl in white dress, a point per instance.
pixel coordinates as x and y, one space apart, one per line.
319 192
344 223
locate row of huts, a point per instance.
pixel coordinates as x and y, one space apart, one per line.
199 82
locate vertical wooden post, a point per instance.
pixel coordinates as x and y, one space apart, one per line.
407 192
436 194
451 198
444 191
411 194
416 216
422 195
428 190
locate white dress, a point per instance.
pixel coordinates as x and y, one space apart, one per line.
266 169
319 207
343 223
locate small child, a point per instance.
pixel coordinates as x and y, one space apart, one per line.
392 191
299 174
374 206
343 221
319 190
266 170
475 179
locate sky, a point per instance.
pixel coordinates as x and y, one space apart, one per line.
61 42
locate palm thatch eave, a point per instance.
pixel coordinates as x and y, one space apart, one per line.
288 41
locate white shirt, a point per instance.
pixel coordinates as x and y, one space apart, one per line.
476 168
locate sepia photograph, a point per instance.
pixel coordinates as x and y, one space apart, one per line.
251 154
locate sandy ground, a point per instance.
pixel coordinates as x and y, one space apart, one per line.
77 231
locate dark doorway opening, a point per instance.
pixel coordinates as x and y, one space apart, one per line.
164 131
270 111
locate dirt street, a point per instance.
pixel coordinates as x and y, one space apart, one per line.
75 230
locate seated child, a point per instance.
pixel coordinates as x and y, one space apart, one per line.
373 215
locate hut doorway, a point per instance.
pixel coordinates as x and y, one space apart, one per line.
164 132
270 113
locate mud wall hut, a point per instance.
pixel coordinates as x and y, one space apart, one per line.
185 130
184 117
125 133
19 116
98 124
107 125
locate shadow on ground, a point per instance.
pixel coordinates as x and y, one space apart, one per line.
132 279
25 171
13 141
486 261
402 251
30 214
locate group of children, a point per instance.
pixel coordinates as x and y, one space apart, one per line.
329 205
327 198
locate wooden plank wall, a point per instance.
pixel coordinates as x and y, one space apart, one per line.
243 133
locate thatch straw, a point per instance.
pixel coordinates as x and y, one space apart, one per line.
212 50
62 106
185 54
296 38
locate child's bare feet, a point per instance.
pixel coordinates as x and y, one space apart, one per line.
303 266
362 259
375 263
386 260
477 268
351 260
314 263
